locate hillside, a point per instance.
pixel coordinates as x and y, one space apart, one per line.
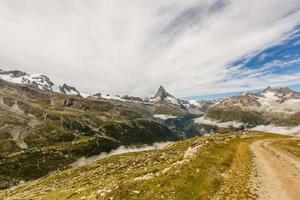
200 168
276 106
62 128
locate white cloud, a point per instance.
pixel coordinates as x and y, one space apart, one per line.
234 124
278 129
120 150
136 45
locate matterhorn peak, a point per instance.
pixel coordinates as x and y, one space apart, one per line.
162 93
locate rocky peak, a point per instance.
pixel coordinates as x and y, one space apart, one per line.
268 89
282 94
131 98
35 80
69 90
162 96
244 93
97 94
13 73
162 93
282 90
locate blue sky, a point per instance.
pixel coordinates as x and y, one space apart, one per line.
295 87
192 48
280 59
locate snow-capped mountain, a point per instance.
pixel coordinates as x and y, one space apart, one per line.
163 96
117 97
69 90
272 106
279 100
39 81
282 100
198 106
36 80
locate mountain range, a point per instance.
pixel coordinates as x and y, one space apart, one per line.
59 123
272 105
277 106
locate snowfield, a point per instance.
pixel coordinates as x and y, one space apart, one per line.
271 102
39 79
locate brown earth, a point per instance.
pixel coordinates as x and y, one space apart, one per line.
276 172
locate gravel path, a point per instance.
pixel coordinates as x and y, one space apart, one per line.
276 172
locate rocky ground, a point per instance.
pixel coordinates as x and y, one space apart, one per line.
277 171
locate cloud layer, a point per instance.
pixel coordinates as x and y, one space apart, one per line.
278 129
132 47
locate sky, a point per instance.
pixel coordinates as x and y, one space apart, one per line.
191 47
295 87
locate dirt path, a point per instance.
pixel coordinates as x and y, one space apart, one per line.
276 172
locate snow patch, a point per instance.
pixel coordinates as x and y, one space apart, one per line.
85 95
172 100
113 97
194 102
269 98
156 99
71 92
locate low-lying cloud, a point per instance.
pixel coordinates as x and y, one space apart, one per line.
278 129
230 124
121 150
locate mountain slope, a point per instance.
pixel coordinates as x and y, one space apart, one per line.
62 128
163 97
279 106
39 81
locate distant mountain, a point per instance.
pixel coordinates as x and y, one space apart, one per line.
282 100
59 128
121 98
39 81
36 80
163 96
198 106
279 106
69 90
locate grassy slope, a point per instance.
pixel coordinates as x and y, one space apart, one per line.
219 167
291 120
252 117
225 115
292 146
